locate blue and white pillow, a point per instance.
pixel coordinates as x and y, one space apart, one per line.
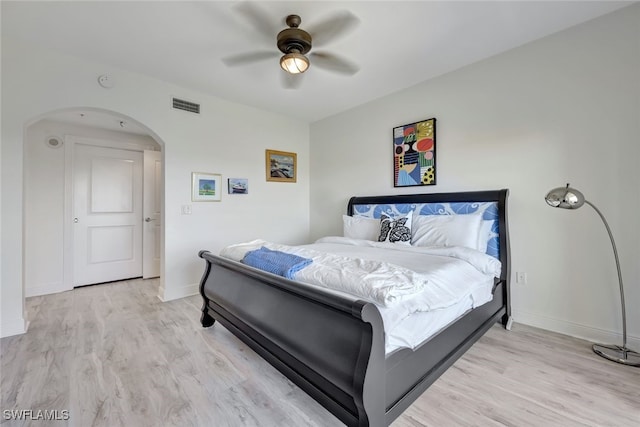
396 229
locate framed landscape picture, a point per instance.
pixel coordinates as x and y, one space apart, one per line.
281 166
414 154
206 187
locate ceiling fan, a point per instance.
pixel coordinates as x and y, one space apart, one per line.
295 44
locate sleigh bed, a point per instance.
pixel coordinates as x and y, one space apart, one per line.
331 344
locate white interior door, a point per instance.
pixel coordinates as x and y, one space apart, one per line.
151 229
107 204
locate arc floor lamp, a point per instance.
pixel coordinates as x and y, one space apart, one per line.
570 198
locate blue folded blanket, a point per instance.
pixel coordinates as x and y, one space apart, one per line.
276 262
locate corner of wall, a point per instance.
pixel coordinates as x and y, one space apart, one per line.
13 327
169 294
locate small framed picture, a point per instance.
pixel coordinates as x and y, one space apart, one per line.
206 187
238 186
281 166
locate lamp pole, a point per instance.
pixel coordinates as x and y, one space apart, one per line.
615 254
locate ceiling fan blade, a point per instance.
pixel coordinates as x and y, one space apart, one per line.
332 62
332 27
290 81
258 18
248 58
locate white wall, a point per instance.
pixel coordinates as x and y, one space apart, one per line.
44 180
227 138
562 109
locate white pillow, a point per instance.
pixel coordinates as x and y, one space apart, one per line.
396 229
447 230
359 227
484 235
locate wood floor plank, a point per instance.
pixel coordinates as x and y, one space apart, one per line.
115 355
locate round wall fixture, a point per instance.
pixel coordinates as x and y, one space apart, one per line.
53 142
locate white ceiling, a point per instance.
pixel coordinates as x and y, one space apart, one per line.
396 44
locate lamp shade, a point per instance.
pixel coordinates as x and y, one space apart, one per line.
565 198
294 63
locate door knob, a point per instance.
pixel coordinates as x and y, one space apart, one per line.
147 219
75 220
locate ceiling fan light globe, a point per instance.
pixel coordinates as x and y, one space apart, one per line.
294 63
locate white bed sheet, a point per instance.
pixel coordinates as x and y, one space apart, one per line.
418 328
414 330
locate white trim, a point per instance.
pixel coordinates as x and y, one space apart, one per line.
121 145
175 293
14 327
589 333
45 289
67 222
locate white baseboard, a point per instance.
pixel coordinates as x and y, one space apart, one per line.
595 335
165 294
14 327
44 289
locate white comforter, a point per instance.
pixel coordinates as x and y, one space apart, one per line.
399 279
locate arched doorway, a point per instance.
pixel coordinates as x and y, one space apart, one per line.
52 144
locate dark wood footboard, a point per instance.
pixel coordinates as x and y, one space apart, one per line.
329 345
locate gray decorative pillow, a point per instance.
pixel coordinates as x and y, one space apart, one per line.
396 230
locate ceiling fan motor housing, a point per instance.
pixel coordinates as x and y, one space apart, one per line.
293 38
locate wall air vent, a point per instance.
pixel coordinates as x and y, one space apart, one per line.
181 104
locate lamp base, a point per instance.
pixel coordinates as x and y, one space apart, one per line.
617 354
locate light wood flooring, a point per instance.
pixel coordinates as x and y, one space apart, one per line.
114 355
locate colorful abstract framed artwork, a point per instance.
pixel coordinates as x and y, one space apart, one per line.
281 166
238 185
206 187
414 154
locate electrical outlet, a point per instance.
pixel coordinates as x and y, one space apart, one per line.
521 277
186 209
